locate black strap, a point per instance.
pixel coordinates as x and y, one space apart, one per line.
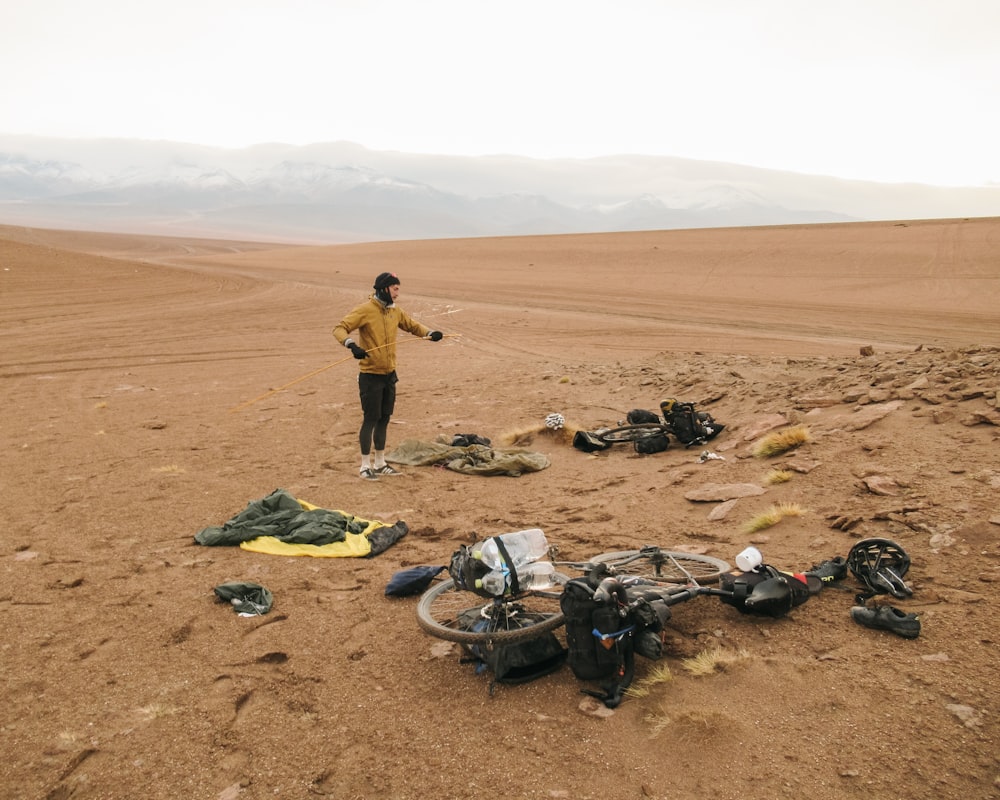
515 586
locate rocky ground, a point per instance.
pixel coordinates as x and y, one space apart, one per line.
140 379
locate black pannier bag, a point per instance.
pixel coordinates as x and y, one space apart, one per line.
656 443
518 662
690 426
766 591
601 641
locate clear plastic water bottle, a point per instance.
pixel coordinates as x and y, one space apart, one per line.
494 582
524 547
537 575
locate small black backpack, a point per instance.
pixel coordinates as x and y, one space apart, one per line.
688 425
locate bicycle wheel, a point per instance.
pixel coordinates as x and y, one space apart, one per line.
668 566
632 433
444 611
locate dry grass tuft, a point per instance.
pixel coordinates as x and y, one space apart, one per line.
657 720
169 469
698 725
658 675
776 476
156 711
67 740
709 662
519 437
778 442
773 516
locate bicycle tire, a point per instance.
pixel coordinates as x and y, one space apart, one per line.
659 565
441 607
632 433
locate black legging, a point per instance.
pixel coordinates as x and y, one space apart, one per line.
378 400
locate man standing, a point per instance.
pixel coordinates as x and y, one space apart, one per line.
376 322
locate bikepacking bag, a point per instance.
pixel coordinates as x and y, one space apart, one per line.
689 425
766 591
600 641
640 416
656 443
518 662
589 442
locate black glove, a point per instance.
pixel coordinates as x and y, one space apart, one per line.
358 350
435 336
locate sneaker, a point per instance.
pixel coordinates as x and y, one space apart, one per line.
888 618
369 474
834 569
385 469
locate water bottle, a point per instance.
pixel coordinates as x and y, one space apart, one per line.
537 575
524 547
494 582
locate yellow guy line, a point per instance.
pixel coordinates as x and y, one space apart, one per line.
308 375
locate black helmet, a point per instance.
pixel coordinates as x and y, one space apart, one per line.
880 564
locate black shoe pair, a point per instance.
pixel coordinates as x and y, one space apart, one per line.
888 618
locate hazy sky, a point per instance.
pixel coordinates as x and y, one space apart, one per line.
891 90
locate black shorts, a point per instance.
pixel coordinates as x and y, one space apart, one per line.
378 394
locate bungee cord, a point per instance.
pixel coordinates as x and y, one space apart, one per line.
315 372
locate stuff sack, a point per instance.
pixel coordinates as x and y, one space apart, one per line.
415 580
640 416
656 443
589 442
689 425
599 640
765 591
514 663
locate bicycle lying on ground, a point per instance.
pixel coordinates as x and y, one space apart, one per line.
652 433
448 612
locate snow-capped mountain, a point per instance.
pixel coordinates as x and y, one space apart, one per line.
343 192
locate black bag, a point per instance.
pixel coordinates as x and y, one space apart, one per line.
467 439
639 416
518 662
465 569
408 582
600 641
688 425
589 442
764 591
656 443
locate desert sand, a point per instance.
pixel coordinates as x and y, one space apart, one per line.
154 387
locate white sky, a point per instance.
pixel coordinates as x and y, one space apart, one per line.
889 90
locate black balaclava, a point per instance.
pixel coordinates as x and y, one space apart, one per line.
382 284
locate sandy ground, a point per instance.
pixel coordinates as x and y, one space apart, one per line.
123 358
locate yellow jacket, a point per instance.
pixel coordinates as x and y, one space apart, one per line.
376 325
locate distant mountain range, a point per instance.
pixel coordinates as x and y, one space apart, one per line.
342 192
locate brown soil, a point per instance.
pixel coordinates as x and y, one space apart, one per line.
124 355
